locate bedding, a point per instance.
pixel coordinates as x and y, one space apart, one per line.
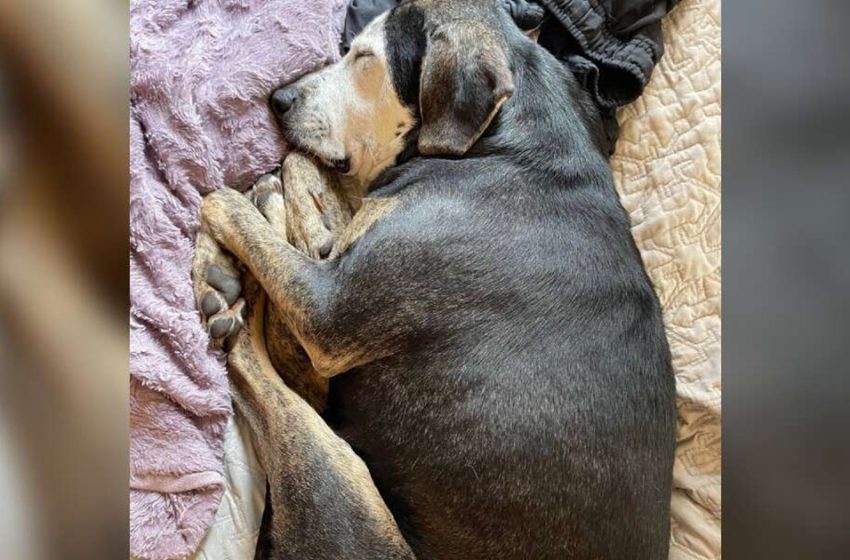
233 534
667 168
201 72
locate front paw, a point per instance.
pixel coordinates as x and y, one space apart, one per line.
218 290
216 209
297 212
267 196
316 211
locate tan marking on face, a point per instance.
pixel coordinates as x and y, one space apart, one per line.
351 109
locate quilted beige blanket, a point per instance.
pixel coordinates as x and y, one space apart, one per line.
667 168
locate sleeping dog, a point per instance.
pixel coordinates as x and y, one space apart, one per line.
483 339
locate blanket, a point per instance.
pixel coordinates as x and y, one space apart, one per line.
201 72
667 169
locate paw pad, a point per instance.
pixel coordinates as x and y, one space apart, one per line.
212 303
228 286
228 322
223 310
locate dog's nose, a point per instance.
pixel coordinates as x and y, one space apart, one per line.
283 99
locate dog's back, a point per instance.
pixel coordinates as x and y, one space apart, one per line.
529 412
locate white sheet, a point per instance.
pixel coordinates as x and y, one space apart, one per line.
233 534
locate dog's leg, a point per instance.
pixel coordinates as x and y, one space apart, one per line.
267 195
286 354
321 503
317 207
301 288
310 215
305 204
310 210
215 278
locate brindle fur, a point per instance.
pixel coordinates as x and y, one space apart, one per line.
321 501
500 360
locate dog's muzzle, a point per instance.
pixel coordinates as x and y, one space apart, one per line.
282 100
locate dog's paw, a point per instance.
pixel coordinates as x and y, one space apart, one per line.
218 290
315 212
267 194
221 307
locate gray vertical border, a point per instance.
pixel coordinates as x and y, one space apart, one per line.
786 279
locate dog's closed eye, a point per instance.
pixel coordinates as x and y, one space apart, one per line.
362 54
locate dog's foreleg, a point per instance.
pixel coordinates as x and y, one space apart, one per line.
301 288
322 503
295 219
296 284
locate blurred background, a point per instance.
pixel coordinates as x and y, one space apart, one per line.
63 279
786 279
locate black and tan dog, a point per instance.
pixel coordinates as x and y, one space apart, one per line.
482 337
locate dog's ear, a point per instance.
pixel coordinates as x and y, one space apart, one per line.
466 77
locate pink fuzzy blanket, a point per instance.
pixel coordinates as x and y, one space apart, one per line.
201 72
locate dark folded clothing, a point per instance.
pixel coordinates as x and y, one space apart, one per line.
613 44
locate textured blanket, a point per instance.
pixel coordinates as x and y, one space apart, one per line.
201 72
667 168
199 121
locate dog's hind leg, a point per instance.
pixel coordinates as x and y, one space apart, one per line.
306 206
321 503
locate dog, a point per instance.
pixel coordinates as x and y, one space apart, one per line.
482 340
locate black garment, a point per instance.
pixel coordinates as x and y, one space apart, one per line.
615 44
360 13
610 45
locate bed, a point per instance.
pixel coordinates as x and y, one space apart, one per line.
667 169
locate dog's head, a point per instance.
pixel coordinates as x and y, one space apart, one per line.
440 68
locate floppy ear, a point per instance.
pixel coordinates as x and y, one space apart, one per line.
465 80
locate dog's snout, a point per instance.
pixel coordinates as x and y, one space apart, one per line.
283 99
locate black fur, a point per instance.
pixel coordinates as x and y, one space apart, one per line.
525 406
405 41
